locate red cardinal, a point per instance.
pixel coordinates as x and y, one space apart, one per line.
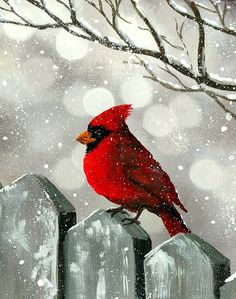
120 168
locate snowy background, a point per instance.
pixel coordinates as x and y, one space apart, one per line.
51 86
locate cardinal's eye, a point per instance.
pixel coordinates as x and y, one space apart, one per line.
98 131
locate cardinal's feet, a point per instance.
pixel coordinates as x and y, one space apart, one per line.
133 220
114 211
129 221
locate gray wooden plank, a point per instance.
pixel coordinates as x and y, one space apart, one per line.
34 217
228 290
185 267
104 258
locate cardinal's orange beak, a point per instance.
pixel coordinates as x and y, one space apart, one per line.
85 138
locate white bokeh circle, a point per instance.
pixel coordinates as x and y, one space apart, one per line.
137 91
226 191
206 174
67 176
18 33
159 121
71 47
187 112
73 100
97 100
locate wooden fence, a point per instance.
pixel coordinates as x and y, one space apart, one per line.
44 254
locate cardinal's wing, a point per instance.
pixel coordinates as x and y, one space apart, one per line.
143 170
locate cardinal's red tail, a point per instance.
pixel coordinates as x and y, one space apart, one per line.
172 220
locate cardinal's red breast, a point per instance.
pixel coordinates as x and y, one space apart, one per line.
106 172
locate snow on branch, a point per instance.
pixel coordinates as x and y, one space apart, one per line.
112 13
215 10
201 39
177 85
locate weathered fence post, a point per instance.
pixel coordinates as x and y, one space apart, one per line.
185 267
104 258
228 291
34 217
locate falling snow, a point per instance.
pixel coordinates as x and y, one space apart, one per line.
103 97
140 91
52 84
73 48
206 174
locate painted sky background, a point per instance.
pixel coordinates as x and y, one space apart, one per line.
52 84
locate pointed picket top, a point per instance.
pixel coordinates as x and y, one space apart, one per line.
185 267
104 258
34 217
228 291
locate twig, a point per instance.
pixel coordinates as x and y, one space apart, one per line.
205 8
184 89
206 84
218 102
179 32
154 33
186 15
169 43
201 40
217 10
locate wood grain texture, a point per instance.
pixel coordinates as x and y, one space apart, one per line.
185 267
34 217
105 258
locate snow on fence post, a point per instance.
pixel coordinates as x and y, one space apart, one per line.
228 291
104 258
34 217
185 267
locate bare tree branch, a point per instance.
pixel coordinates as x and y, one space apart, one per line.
179 32
5 9
219 103
170 43
153 31
186 15
201 40
91 35
181 87
177 69
217 10
205 7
